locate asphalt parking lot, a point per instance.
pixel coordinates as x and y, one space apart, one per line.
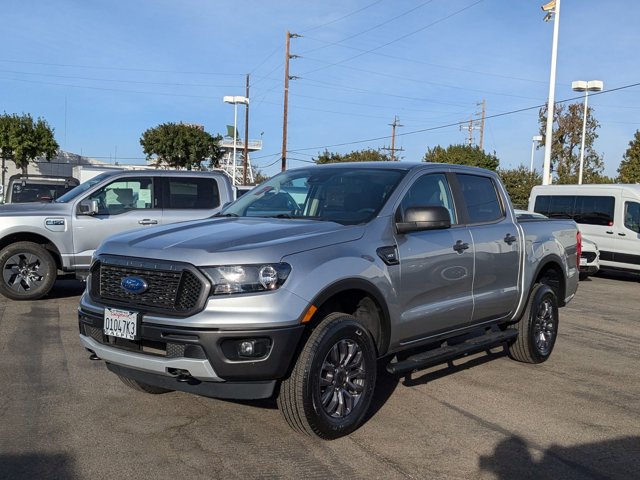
577 416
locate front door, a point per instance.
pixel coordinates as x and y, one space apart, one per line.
124 204
436 279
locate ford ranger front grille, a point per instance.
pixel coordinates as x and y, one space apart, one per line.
171 289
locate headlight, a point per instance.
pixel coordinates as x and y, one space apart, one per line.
247 278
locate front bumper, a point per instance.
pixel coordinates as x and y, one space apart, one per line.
204 356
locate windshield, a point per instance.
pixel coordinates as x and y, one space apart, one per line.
83 187
335 194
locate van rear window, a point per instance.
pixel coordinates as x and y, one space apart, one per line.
586 209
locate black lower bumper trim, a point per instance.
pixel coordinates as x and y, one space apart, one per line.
225 390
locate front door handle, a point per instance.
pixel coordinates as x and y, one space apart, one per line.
622 234
148 221
610 232
509 239
460 246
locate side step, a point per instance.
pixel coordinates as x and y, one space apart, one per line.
449 352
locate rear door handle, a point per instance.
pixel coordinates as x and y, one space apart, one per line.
610 232
460 246
509 239
148 221
622 234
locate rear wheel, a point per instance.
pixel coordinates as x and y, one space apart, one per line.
332 384
538 327
28 271
143 387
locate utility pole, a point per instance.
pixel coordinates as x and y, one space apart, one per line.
287 77
393 148
476 125
482 123
246 136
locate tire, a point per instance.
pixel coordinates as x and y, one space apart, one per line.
537 328
143 387
28 271
583 276
319 374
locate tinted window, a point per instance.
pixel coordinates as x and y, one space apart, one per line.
429 191
192 193
481 198
123 195
33 192
591 210
632 216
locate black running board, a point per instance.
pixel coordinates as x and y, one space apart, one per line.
446 353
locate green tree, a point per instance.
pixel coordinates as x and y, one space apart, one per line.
462 155
368 155
181 146
566 142
22 140
519 182
629 169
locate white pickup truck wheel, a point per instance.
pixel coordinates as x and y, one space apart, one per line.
28 271
332 384
538 327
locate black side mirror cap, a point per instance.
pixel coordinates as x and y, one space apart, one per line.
417 219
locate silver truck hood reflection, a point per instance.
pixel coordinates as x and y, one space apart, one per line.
33 209
234 240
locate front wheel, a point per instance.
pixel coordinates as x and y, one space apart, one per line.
332 384
538 327
28 271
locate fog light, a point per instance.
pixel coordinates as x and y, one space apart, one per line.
246 348
255 347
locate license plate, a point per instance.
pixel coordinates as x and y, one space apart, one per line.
583 261
120 323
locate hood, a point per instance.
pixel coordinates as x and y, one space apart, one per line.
33 209
226 241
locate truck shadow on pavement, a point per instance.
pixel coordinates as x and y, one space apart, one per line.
39 466
514 457
65 289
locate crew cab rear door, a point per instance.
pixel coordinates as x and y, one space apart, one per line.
496 242
189 198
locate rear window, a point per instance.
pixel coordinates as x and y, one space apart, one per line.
585 209
192 193
481 198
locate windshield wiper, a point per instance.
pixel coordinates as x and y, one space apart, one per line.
226 215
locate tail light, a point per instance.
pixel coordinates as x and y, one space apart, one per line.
578 248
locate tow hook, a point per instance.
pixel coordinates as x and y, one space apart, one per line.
183 376
93 356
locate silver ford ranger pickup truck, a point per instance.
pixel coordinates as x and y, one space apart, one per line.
38 241
299 288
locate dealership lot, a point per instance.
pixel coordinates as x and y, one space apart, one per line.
576 416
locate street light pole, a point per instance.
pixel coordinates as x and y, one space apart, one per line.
235 100
546 170
586 87
536 138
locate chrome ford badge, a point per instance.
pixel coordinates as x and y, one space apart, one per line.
134 284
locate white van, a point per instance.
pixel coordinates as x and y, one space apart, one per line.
608 215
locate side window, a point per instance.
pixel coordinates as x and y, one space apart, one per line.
593 210
191 193
632 216
430 190
123 195
481 198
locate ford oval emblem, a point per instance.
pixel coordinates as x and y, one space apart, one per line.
134 285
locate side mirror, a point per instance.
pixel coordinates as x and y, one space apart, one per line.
417 219
88 207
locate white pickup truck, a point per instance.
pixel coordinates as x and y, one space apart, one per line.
39 240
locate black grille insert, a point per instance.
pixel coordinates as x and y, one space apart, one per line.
173 290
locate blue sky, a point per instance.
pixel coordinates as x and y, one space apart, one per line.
101 72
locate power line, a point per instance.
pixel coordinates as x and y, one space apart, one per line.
454 124
402 37
343 17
